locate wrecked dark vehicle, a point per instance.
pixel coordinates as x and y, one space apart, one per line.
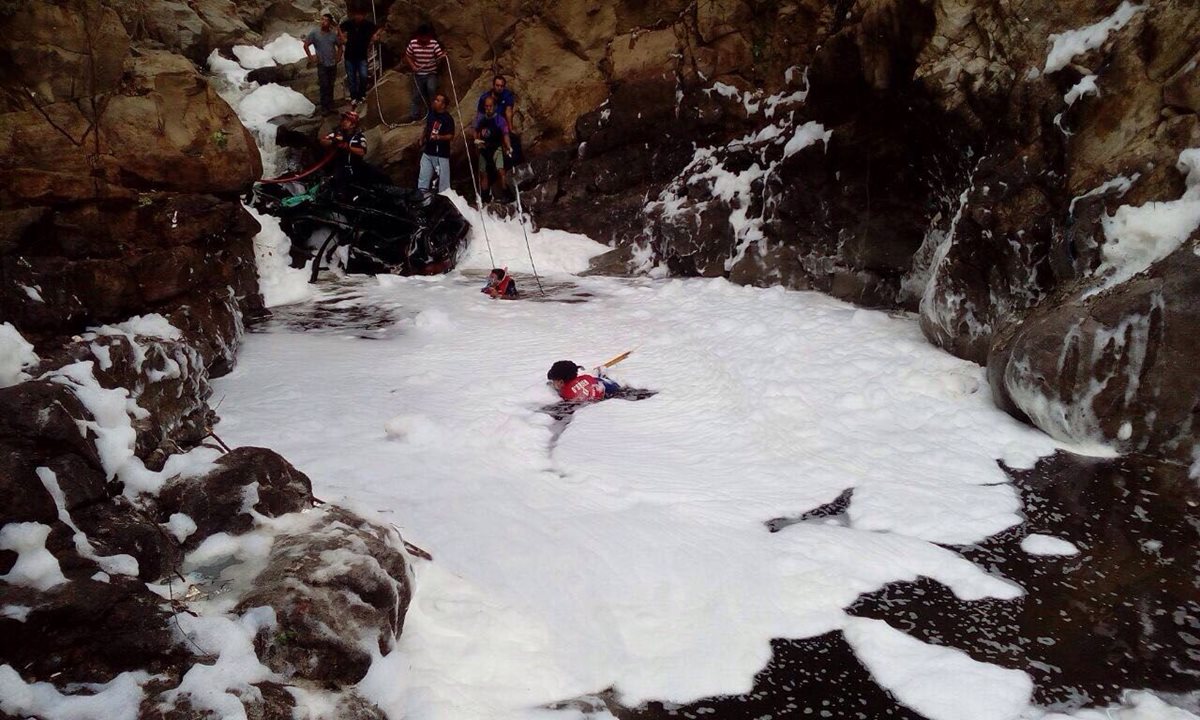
369 228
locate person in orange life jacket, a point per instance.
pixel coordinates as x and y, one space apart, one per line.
439 131
500 285
571 386
347 139
491 137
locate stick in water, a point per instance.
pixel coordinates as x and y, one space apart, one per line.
617 359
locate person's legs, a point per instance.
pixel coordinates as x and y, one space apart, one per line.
430 87
364 80
426 175
443 174
417 105
498 163
351 80
485 168
325 78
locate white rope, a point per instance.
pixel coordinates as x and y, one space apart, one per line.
377 55
474 185
462 131
521 219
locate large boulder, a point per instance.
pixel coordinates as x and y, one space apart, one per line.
91 263
1116 368
165 376
61 52
158 126
245 483
40 427
340 588
122 168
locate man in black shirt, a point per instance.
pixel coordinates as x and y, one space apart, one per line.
358 33
439 131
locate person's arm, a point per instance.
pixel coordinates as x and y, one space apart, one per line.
340 47
504 133
408 57
357 145
327 141
308 44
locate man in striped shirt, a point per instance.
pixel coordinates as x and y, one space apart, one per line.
423 54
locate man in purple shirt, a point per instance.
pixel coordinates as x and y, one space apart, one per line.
492 141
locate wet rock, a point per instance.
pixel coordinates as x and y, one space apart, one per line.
299 131
213 324
40 427
44 429
88 631
1115 368
340 589
997 264
166 378
283 74
246 481
160 254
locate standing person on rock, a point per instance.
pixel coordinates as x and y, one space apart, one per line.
358 33
328 43
491 139
505 102
504 99
439 132
422 55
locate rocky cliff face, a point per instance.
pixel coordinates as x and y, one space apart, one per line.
1017 173
967 158
122 168
134 553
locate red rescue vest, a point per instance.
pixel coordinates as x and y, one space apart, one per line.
584 388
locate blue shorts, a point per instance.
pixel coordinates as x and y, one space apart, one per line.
610 387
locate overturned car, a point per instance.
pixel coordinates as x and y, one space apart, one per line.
368 227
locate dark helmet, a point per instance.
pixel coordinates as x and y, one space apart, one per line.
563 370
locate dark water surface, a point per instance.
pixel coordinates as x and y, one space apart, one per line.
1122 614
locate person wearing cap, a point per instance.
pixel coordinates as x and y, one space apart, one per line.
572 387
328 43
347 140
